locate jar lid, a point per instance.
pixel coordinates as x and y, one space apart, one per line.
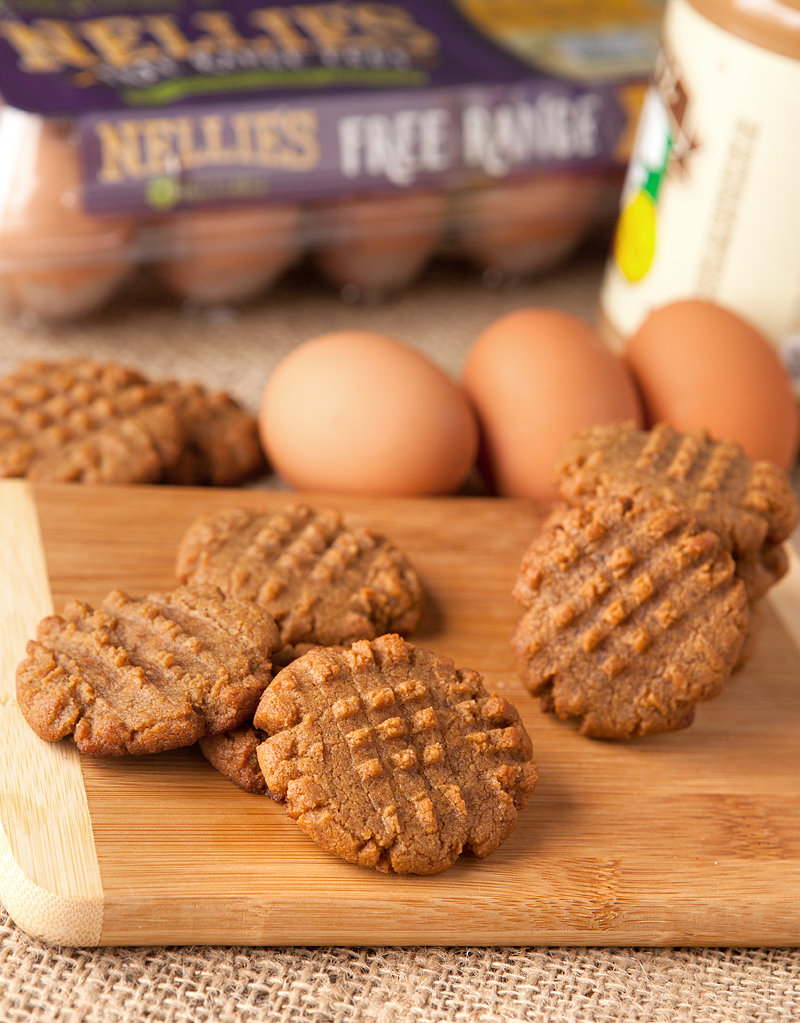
773 24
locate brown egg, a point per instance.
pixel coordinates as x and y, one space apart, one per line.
379 244
524 227
229 255
699 365
537 376
58 261
359 412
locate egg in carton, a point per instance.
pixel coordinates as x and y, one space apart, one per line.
372 246
230 255
57 262
526 226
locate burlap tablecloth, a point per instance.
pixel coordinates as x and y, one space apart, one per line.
391 985
441 315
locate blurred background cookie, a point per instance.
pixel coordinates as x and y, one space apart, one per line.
221 443
85 421
92 422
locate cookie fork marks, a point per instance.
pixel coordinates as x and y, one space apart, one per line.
422 763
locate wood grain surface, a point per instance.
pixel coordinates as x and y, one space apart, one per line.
684 839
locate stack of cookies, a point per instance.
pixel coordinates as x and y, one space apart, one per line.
323 583
642 594
385 754
83 421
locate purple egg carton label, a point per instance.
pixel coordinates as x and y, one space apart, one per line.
295 150
67 57
191 103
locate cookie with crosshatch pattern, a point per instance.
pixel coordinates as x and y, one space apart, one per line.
142 675
321 580
632 615
79 420
391 757
91 422
233 753
749 504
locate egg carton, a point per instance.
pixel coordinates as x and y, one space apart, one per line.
219 147
59 262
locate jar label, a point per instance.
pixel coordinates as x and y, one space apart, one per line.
710 207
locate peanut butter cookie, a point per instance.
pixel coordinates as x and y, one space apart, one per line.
748 504
145 675
79 420
391 757
84 421
633 614
221 445
321 581
233 754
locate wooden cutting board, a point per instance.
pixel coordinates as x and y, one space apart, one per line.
691 838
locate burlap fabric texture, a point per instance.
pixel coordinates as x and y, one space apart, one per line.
44 984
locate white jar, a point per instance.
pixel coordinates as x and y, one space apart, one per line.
711 203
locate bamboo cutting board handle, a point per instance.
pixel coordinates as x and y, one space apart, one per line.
49 873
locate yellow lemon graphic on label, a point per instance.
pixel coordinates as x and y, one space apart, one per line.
635 237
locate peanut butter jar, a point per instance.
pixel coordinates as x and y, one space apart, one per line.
710 207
